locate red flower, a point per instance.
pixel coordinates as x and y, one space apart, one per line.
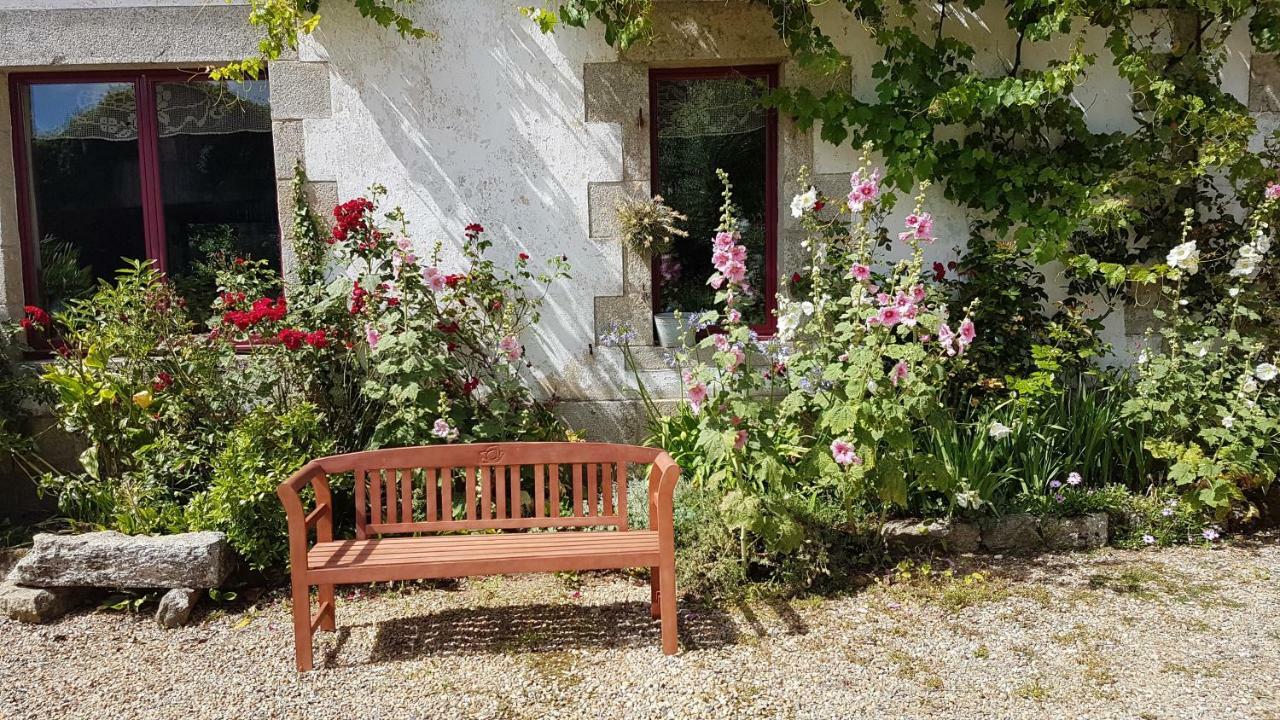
453 280
497 305
34 317
239 261
348 217
161 382
939 272
474 229
317 338
449 327
291 338
263 308
819 205
795 278
470 385
358 294
524 257
451 346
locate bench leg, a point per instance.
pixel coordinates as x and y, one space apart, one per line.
667 603
302 624
654 593
325 597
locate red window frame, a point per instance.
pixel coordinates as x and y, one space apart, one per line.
144 82
768 73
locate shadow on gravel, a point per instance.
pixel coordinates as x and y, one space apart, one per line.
538 628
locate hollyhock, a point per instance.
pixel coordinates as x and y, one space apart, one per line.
863 190
843 453
371 335
473 230
804 202
733 316
740 441
899 372
1184 257
697 396
434 278
724 240
1272 192
939 272
510 345
442 430
669 268
1266 372
860 272
524 257
917 293
967 334
348 217
919 227
889 316
356 304
947 338
453 280
721 342
470 385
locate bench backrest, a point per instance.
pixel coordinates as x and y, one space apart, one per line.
499 485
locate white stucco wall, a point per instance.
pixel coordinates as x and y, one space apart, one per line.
487 124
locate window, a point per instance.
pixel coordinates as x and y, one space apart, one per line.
168 166
704 119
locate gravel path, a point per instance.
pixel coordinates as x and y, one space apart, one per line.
1180 633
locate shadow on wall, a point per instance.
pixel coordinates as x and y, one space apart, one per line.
485 124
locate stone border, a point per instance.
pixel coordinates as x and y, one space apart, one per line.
686 34
1016 533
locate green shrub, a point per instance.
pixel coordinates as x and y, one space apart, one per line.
259 453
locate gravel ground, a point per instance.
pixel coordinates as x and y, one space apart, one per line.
1179 633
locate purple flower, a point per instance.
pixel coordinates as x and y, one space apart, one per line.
1054 484
1074 478
1210 534
1148 540
1059 497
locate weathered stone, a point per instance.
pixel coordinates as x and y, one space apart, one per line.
110 559
1264 83
942 535
176 606
1018 532
300 90
1083 532
10 557
38 605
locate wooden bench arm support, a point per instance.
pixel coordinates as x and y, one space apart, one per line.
300 522
662 486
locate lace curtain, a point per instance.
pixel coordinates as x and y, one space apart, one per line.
182 108
712 107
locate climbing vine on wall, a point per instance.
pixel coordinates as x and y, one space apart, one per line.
1011 144
284 21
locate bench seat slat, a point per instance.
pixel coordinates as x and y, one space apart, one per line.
450 556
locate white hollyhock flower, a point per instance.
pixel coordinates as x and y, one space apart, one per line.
1262 243
998 430
1228 422
1266 372
1245 265
1185 257
804 202
1249 385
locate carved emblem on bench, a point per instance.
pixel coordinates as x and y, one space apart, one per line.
491 455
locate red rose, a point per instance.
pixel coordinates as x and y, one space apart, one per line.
795 278
474 229
317 338
524 257
34 316
939 272
291 338
161 382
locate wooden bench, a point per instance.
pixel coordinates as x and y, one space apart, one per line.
406 492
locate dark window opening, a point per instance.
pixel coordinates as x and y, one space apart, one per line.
167 166
704 119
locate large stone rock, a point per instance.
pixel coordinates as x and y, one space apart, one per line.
1018 532
930 535
38 605
1083 532
176 606
109 559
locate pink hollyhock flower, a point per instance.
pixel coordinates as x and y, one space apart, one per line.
1272 192
899 372
687 376
405 244
917 293
860 272
738 358
889 316
441 429
371 335
741 440
721 259
721 342
947 338
736 273
716 281
967 333
725 240
863 190
434 279
909 315
738 253
842 452
919 227
511 346
884 299
734 315
697 396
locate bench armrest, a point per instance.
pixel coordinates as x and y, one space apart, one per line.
663 475
300 522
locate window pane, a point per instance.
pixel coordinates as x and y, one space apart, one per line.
85 188
217 179
704 124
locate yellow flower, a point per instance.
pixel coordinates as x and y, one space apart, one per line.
143 399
